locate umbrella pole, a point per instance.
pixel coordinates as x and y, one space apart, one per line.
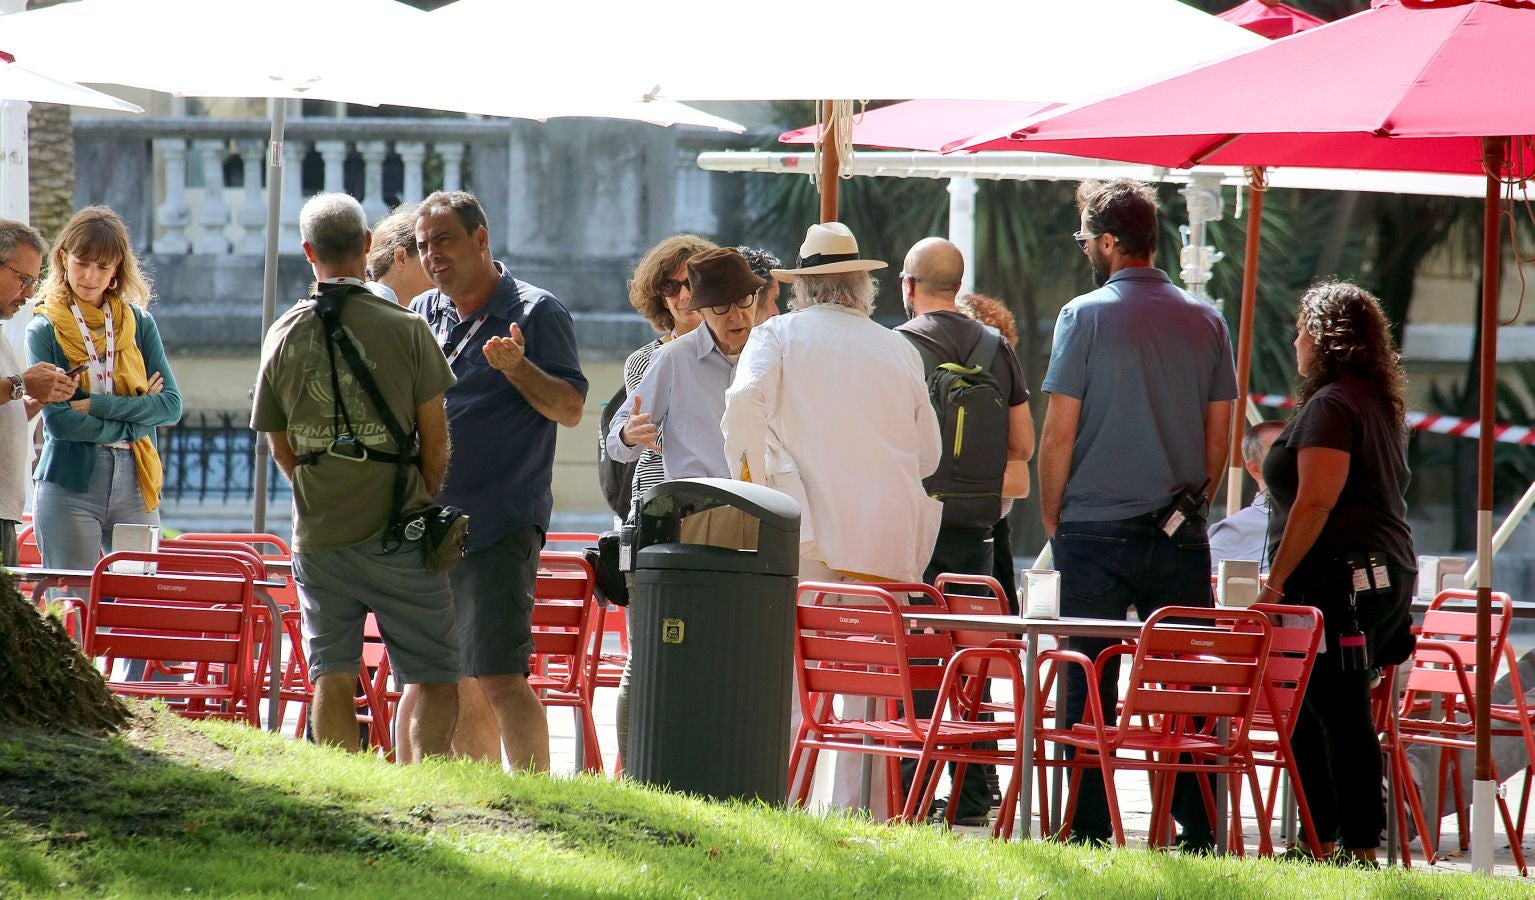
1257 184
1484 790
830 164
279 110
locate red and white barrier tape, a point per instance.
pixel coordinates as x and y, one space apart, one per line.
1435 424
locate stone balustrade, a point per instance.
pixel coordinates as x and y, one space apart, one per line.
196 186
571 205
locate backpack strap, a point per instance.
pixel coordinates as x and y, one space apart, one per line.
327 308
984 353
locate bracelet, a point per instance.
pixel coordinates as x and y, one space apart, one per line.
1270 587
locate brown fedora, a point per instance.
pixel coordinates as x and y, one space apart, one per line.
721 276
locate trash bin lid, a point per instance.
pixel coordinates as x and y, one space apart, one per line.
774 509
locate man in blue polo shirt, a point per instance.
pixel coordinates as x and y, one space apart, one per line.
1140 383
512 347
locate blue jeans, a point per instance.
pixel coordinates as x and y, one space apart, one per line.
1106 569
74 529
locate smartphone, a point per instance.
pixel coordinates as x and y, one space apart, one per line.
76 370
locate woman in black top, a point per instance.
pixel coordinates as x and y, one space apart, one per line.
1337 475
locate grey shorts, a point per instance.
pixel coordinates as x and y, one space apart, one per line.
493 602
414 607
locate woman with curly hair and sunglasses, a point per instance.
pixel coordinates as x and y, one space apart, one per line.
659 291
1339 540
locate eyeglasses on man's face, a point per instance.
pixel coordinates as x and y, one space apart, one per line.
671 287
1082 237
724 309
26 280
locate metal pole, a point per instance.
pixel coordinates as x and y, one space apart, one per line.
1484 790
962 190
279 112
830 164
1257 183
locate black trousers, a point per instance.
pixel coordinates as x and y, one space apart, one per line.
963 551
1336 747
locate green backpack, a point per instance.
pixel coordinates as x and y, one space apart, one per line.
973 419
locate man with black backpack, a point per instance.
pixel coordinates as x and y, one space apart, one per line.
357 470
978 391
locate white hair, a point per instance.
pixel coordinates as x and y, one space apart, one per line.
854 290
335 226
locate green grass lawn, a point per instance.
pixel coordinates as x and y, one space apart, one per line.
172 809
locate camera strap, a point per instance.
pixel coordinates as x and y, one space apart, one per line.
327 307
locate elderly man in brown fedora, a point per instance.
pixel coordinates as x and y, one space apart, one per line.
682 394
831 408
683 391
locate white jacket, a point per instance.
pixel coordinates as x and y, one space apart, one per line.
831 408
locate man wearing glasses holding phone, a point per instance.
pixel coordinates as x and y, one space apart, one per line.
1140 382
22 393
683 392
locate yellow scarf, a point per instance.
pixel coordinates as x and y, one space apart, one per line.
128 376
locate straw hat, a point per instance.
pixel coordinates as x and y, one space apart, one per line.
829 248
721 276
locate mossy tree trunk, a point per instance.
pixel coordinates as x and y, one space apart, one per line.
44 680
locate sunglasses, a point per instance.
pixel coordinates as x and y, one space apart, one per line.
1082 237
671 287
743 303
26 280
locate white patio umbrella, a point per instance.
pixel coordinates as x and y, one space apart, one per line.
307 49
1063 50
17 82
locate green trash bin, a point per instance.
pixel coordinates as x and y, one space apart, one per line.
711 631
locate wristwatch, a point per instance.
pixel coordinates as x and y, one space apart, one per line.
18 387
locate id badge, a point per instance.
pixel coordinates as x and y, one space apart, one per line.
1378 573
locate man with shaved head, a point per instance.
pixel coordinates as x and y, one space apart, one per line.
978 449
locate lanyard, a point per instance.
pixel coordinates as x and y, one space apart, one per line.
101 369
345 280
442 336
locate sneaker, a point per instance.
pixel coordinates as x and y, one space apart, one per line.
1090 840
975 821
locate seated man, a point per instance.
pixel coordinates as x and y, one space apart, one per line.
1244 535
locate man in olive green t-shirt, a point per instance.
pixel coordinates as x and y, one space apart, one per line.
346 562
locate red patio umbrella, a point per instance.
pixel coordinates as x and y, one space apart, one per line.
1270 18
1413 85
926 124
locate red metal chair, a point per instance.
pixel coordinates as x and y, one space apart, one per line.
377 701
1295 633
866 651
295 685
1439 706
27 551
206 619
567 625
1183 680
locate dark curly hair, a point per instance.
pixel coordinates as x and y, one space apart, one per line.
1125 208
657 265
1352 337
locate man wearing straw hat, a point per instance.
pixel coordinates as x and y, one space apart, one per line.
831 408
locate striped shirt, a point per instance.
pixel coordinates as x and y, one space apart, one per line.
650 471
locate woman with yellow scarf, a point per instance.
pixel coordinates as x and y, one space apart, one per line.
99 465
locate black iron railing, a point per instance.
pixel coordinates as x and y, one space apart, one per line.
210 457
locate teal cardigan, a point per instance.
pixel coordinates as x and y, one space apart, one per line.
70 438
